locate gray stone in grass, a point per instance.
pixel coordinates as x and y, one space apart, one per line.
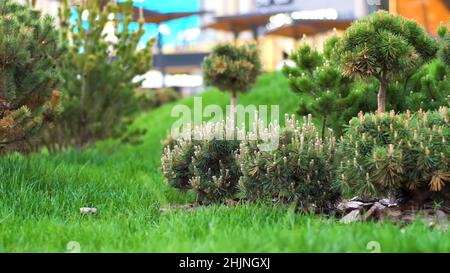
374 211
342 206
441 220
355 204
379 206
88 210
353 216
187 207
388 202
393 214
349 205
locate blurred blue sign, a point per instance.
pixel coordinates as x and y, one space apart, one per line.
269 3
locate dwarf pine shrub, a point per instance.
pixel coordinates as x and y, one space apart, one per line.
399 155
384 47
324 91
203 160
301 170
29 55
232 69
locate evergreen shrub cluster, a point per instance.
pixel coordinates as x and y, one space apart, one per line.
203 160
381 62
403 155
382 56
380 155
300 171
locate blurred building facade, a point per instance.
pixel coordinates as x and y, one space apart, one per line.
275 48
428 13
47 6
277 26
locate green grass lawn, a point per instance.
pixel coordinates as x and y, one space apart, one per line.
41 194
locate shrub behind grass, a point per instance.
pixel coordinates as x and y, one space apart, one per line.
206 166
405 155
300 170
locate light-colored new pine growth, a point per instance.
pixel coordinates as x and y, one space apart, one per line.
409 152
300 170
202 158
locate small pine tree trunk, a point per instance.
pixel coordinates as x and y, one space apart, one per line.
2 86
405 84
233 109
382 96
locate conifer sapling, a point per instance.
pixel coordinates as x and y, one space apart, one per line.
385 47
232 69
319 81
105 56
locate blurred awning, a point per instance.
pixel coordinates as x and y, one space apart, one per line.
158 18
241 22
155 17
298 28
